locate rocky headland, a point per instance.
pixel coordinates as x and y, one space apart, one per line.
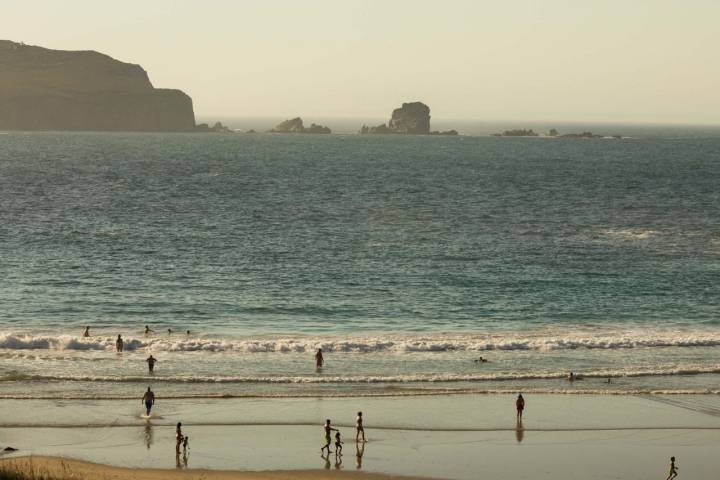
43 89
295 125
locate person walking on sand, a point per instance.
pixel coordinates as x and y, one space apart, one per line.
149 400
673 469
178 438
151 361
86 333
119 344
319 360
520 405
359 429
328 436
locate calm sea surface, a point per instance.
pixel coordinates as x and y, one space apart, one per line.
404 258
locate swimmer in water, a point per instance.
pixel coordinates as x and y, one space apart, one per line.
119 344
149 400
148 330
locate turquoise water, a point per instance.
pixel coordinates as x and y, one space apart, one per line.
405 258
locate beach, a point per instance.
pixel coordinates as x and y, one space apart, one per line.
447 436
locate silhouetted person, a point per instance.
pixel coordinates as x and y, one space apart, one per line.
673 469
151 361
86 333
338 444
149 400
148 330
178 438
119 345
319 360
571 377
520 405
328 436
359 429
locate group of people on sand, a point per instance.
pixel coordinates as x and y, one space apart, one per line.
359 431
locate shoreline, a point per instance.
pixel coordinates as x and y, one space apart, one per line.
64 468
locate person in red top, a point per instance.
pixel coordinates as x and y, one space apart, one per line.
520 405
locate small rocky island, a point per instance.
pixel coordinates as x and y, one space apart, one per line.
218 127
553 133
295 125
43 89
410 119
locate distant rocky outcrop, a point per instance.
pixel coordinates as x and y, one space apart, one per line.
295 125
410 119
218 127
518 132
43 89
450 133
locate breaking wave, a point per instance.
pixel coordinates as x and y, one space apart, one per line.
399 344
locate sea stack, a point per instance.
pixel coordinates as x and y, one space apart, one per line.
410 119
43 89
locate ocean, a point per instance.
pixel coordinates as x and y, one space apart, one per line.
405 259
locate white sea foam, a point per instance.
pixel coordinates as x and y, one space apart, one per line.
395 344
373 379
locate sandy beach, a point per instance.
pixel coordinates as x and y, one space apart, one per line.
456 437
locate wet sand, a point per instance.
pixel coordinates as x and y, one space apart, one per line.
457 437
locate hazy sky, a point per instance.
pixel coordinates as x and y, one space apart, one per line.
584 60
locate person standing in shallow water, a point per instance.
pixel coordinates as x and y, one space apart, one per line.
520 405
151 361
86 333
178 438
119 344
319 360
359 429
149 400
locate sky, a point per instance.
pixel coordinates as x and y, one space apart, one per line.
648 61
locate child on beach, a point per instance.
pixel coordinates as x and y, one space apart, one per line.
673 469
186 445
338 444
359 428
328 436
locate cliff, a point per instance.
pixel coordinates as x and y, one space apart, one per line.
295 125
43 89
411 118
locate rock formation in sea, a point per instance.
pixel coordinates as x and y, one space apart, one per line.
410 119
295 125
43 89
218 127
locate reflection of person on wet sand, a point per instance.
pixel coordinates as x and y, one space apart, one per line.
148 435
319 360
519 431
359 452
327 460
338 462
